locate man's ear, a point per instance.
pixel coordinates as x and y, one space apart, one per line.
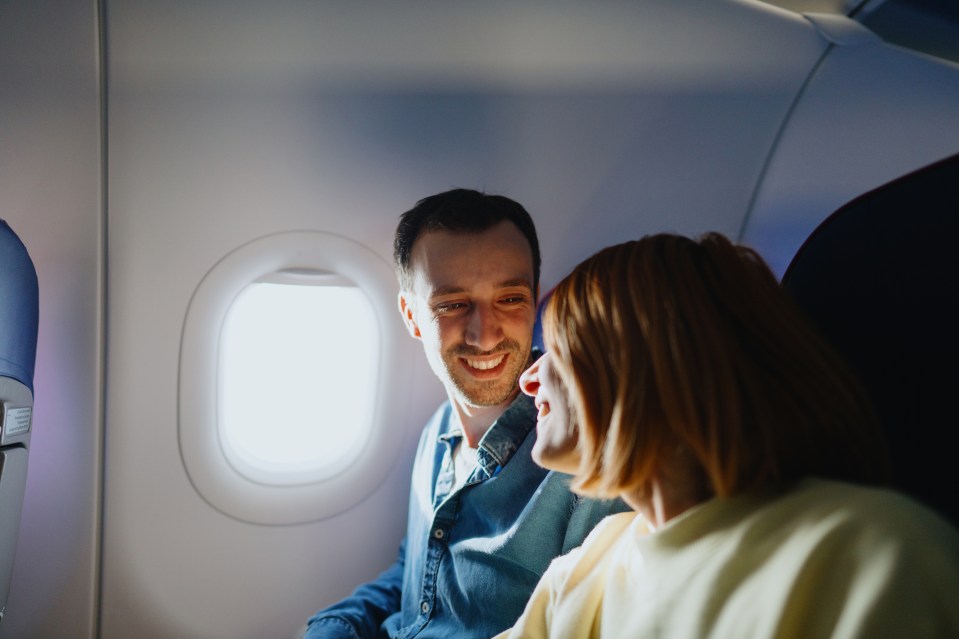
406 310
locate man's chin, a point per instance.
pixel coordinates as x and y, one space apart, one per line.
484 398
484 393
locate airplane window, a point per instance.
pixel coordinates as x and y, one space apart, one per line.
297 359
284 388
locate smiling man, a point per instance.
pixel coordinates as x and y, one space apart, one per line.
484 520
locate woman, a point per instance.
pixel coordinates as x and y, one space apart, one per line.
700 395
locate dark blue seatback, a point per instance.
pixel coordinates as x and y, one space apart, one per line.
19 314
538 326
19 309
880 277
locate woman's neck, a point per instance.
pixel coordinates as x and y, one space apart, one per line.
669 494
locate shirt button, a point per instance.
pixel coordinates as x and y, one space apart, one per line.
438 533
425 607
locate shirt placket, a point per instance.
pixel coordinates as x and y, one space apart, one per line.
444 515
492 454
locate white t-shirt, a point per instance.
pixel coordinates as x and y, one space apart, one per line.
826 559
464 461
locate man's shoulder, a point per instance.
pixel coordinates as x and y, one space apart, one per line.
439 421
436 425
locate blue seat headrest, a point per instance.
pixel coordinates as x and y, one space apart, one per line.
19 309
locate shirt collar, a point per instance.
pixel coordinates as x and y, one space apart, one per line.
506 434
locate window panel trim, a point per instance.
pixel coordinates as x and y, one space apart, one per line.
292 253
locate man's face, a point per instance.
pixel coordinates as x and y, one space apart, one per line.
473 306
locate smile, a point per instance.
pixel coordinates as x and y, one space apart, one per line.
485 365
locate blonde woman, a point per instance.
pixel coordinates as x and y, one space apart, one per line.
680 377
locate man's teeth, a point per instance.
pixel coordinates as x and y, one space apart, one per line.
485 365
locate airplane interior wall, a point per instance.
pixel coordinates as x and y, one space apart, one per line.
50 196
870 113
230 122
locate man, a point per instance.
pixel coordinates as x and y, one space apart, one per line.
484 520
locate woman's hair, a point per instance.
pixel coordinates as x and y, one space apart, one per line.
671 345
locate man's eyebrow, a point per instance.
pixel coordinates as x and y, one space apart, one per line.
447 290
521 282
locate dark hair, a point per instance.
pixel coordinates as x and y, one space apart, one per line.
459 210
670 343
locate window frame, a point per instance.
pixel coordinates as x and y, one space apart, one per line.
207 465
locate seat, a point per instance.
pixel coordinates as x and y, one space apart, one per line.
19 314
880 277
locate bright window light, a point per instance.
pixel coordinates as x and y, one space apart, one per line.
297 366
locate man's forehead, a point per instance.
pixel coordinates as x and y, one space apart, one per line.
445 261
451 289
435 282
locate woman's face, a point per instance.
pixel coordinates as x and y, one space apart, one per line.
556 433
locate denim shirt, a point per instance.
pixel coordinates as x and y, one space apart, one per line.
472 555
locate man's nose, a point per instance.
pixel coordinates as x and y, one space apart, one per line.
483 329
529 380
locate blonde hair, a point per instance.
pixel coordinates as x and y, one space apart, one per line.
668 343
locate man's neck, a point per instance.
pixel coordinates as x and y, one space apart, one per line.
476 420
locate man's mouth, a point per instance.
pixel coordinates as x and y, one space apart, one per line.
484 364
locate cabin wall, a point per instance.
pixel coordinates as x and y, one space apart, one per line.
870 113
50 196
228 126
227 121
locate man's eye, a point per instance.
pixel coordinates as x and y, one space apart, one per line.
514 299
448 307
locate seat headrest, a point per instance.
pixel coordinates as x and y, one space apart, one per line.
880 277
19 309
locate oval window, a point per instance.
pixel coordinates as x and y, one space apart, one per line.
297 359
283 406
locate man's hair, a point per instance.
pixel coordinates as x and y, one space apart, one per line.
459 211
671 344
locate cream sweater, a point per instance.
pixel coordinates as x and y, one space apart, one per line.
826 559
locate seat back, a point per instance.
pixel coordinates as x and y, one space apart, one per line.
19 314
880 277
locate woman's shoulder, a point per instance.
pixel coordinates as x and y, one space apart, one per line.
871 517
614 526
599 546
868 505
